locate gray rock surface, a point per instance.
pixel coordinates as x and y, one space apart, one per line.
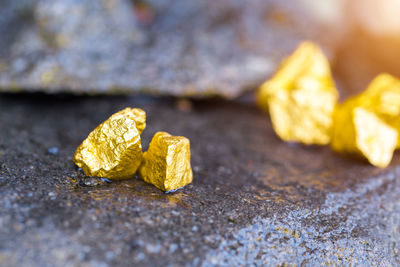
199 47
254 201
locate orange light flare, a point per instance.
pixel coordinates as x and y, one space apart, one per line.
364 36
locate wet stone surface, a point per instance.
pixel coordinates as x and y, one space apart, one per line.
254 199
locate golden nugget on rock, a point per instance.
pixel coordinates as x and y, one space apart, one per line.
368 123
301 97
113 150
166 164
383 97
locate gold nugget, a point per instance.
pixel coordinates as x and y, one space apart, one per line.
166 164
113 150
383 98
301 97
139 116
359 128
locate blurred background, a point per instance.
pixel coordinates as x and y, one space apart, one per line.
187 48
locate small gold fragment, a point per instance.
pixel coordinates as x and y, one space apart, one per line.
113 150
361 124
301 97
166 164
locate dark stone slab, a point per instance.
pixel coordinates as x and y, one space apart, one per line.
254 199
198 47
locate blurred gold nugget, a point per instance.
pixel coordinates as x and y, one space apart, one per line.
359 130
383 97
369 123
166 164
301 97
113 150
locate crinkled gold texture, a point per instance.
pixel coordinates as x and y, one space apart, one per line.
166 164
364 123
301 97
139 115
113 150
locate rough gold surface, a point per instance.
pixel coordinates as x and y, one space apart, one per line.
361 123
301 97
166 164
138 115
113 150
